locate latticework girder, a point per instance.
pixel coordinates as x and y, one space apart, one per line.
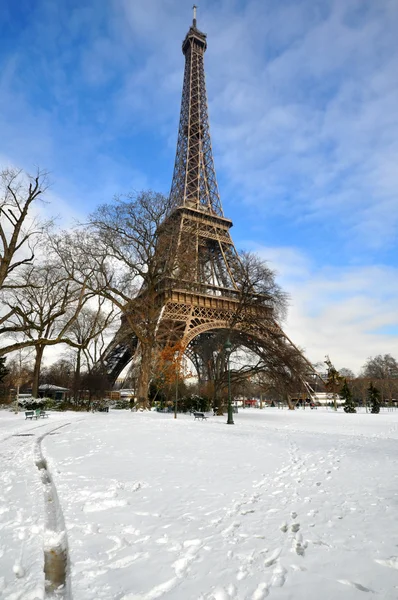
194 182
119 352
200 290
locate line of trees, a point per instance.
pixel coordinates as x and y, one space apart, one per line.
382 370
42 306
375 386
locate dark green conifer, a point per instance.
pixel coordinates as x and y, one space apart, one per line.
346 395
374 398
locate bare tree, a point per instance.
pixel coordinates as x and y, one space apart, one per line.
347 373
20 371
59 372
381 367
257 287
19 230
122 257
44 303
384 370
88 332
20 234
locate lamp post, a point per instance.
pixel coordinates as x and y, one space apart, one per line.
228 348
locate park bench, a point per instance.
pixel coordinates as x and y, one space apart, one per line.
35 414
199 415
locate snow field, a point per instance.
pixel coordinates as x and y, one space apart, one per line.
282 505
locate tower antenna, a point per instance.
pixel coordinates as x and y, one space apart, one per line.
194 14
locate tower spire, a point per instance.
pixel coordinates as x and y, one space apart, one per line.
194 182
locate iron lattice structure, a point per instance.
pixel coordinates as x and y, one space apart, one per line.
194 182
200 292
196 216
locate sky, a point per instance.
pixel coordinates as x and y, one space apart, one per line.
303 98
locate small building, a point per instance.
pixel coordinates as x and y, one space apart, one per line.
56 392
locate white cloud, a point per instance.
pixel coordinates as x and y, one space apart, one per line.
312 129
338 311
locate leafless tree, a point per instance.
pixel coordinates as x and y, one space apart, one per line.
19 230
257 287
122 257
383 371
88 331
44 303
20 372
59 372
347 373
20 233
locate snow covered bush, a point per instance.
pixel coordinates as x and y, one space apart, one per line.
31 403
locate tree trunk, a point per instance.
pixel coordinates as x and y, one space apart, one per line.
289 402
36 371
76 376
144 376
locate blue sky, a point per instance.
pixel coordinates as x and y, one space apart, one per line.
303 98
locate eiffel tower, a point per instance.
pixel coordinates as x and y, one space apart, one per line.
201 294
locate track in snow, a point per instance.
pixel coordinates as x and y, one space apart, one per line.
56 558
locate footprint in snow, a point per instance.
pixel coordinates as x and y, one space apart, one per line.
228 530
120 543
223 593
122 563
272 558
298 546
162 540
181 564
358 586
278 576
391 562
242 574
260 592
297 568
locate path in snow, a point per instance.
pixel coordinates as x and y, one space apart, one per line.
55 539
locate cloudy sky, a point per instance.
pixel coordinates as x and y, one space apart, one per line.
303 98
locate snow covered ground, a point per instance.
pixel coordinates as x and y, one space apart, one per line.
293 505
